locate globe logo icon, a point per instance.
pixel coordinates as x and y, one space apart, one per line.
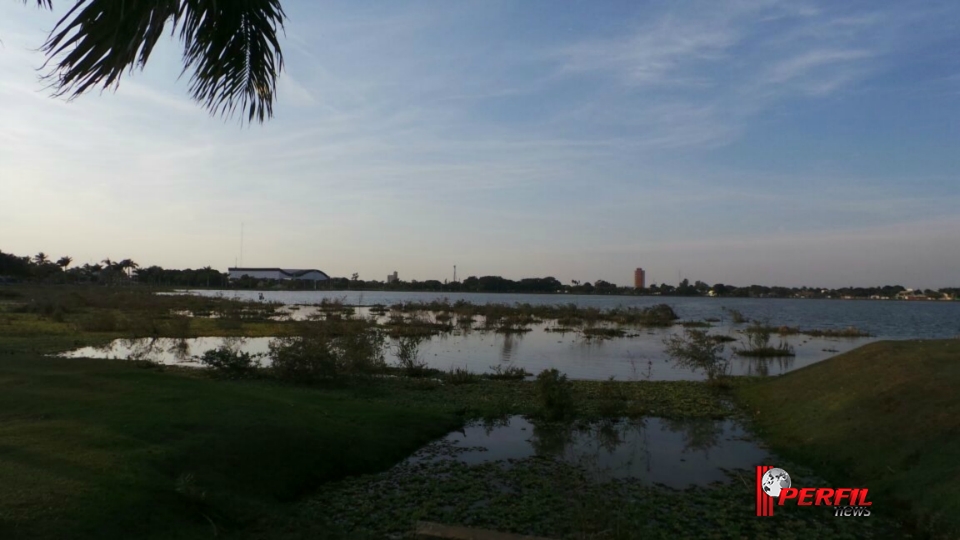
774 480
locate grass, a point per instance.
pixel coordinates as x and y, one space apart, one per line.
884 416
97 449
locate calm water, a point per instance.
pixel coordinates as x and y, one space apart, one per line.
674 453
884 319
639 356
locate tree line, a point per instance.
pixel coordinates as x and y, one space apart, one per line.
44 269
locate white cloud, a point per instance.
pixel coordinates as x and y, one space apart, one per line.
807 62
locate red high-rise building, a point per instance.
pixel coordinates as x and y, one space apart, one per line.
639 278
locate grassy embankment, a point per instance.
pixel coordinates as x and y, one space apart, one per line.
885 416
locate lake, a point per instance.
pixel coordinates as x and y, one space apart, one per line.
885 319
639 356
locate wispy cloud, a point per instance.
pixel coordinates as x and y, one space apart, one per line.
411 134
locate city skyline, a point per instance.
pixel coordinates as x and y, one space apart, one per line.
746 142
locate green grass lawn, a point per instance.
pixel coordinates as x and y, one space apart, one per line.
103 449
885 416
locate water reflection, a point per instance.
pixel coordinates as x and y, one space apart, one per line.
763 367
511 341
699 435
169 351
180 350
676 453
636 357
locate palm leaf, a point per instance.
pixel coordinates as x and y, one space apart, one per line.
230 45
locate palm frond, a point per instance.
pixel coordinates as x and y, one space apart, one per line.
231 45
234 51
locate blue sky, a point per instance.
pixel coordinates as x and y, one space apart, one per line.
793 143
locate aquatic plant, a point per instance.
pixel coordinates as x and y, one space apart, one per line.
848 332
555 394
736 315
758 343
507 373
695 324
696 349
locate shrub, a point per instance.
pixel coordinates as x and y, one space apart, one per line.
462 376
696 349
408 354
555 393
327 350
303 360
230 363
362 350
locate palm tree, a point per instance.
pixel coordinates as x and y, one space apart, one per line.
127 266
41 258
64 262
230 46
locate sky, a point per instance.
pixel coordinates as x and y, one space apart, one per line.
742 142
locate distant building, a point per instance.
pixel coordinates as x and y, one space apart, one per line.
639 278
279 274
392 277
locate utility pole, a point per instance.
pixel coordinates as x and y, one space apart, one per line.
454 273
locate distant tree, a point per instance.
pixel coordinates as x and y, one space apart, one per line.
230 46
12 265
41 258
64 262
127 266
355 276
